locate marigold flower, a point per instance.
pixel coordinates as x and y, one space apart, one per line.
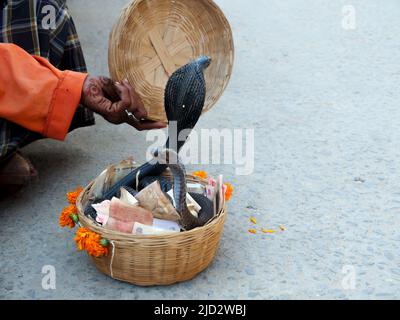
95 249
200 174
90 241
73 195
66 217
82 236
229 191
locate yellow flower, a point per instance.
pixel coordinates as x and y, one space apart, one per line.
253 231
253 220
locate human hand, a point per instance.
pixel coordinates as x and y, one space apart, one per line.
116 102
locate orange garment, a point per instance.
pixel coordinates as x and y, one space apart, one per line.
35 94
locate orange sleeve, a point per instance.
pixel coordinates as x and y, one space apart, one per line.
35 94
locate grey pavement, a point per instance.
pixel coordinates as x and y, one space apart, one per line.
324 103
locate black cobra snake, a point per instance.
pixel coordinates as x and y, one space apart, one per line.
184 100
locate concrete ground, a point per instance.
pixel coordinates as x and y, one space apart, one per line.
323 101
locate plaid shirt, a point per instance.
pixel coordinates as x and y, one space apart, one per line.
28 24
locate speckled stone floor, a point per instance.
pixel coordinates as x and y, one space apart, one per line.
323 101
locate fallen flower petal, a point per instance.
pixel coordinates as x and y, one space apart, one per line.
282 228
268 231
252 231
253 220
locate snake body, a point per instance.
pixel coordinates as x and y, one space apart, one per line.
165 183
188 221
184 99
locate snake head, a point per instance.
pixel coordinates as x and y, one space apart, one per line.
204 61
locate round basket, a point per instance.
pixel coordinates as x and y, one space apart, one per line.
156 260
153 38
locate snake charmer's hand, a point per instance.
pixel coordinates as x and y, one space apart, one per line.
116 102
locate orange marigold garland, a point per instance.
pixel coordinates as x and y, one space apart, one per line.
85 239
94 247
69 217
91 242
73 195
81 237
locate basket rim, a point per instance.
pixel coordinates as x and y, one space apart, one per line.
211 100
120 236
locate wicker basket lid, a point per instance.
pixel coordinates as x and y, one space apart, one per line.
153 38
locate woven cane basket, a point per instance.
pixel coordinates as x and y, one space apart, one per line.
156 260
153 38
